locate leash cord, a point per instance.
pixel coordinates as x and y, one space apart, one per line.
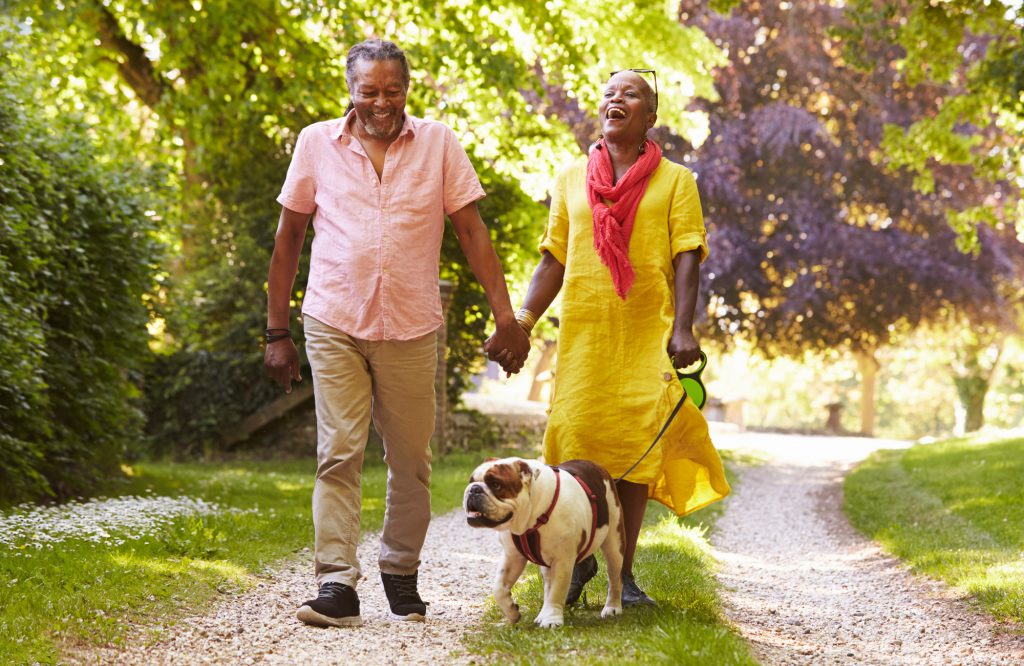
663 429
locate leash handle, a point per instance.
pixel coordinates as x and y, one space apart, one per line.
693 384
671 416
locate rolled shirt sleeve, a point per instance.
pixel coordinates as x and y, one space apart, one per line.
299 190
686 220
461 184
556 234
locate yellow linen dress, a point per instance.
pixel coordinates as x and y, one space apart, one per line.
614 382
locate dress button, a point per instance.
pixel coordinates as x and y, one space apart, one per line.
668 376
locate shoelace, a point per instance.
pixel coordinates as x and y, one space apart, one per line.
405 586
329 590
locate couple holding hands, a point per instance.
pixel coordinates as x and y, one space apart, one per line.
623 244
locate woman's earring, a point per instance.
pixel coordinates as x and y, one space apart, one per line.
643 147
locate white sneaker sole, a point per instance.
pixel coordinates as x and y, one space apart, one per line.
411 617
310 616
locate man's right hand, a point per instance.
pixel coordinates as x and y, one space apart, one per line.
281 359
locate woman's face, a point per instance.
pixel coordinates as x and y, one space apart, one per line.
625 109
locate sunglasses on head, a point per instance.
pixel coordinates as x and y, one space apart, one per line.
653 74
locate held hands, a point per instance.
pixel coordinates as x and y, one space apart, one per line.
281 360
683 348
508 346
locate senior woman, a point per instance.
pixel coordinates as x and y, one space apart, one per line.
625 239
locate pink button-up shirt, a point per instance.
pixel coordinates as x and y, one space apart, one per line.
374 267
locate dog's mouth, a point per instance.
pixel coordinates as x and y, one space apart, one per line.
477 519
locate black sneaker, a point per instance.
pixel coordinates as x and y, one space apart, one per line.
403 598
581 575
632 595
336 605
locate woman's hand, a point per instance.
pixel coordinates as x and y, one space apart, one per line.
683 348
509 346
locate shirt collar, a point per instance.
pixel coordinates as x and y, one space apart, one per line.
343 126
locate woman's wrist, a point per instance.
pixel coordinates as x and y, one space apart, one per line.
526 319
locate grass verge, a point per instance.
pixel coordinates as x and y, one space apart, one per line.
954 511
673 565
85 593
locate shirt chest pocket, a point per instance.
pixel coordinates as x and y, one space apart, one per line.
416 197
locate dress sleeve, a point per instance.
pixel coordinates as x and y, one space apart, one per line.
685 219
299 190
461 184
556 234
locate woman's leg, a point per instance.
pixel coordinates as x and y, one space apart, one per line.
634 504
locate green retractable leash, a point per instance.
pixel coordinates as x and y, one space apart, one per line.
693 386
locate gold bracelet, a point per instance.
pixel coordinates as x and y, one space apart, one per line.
526 319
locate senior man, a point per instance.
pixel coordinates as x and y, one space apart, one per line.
378 184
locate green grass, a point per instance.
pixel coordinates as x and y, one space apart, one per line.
81 593
954 511
673 565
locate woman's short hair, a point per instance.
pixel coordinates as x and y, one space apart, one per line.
375 49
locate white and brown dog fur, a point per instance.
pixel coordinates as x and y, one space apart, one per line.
508 495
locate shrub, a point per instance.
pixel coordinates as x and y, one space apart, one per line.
77 253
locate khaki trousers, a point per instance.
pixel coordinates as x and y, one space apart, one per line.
394 381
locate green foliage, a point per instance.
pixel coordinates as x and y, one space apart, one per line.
967 57
218 91
77 256
953 510
93 594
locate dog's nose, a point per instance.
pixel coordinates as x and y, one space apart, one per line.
476 489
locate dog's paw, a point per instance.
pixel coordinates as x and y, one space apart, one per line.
549 621
611 611
512 615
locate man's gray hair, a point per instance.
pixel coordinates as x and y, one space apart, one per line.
374 49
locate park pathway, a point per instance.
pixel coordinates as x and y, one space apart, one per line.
259 626
804 588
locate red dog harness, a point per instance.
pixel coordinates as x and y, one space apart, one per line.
528 543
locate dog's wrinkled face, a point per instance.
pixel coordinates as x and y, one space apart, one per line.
496 489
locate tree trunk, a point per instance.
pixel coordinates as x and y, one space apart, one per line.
868 366
976 361
543 364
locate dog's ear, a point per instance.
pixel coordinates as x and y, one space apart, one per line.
526 471
491 459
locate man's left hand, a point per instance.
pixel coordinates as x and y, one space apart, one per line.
509 346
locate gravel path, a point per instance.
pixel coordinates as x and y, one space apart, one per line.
260 626
801 585
804 588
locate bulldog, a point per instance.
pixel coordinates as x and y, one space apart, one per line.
554 517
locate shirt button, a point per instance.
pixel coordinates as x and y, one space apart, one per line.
668 376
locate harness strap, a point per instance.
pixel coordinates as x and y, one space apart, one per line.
528 543
593 517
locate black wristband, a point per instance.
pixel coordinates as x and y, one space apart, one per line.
275 334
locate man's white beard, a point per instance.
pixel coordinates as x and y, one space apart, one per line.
380 130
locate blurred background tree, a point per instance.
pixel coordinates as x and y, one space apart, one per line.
821 241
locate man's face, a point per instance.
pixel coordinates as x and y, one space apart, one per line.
378 97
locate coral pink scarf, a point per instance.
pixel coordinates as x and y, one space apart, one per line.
614 225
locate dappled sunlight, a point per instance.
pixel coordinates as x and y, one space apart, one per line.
292 486
167 566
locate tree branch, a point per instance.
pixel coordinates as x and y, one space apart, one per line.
136 69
